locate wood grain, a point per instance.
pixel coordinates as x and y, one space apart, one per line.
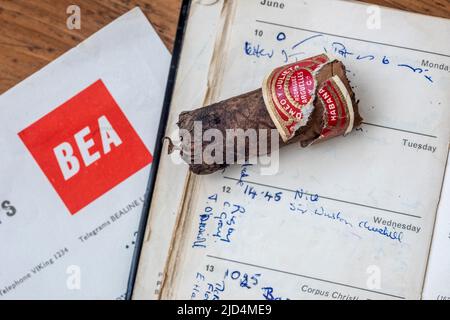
34 32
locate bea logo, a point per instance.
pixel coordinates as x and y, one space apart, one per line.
86 147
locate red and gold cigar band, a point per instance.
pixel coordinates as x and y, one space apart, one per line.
338 116
289 93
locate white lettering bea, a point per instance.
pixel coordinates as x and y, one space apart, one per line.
109 135
67 160
84 145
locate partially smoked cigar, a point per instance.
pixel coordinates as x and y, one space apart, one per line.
307 102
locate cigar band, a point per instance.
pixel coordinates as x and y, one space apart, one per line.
338 114
289 93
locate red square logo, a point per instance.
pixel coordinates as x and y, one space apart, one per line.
86 147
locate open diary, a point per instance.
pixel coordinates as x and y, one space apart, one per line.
362 217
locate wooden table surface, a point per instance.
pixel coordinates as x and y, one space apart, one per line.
34 32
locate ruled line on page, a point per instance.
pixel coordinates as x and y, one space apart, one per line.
398 129
326 197
352 38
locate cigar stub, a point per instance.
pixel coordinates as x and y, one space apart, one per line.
303 103
290 91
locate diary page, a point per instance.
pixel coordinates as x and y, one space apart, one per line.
438 275
349 218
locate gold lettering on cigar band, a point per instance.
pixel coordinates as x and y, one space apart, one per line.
335 108
299 90
331 106
287 104
330 99
288 92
